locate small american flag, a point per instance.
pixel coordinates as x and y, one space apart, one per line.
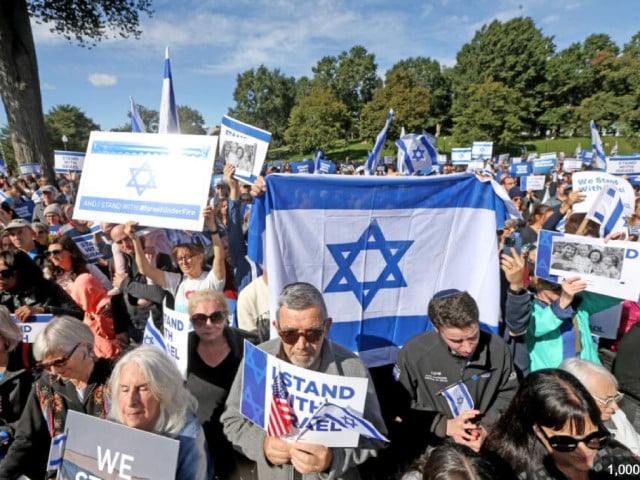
282 415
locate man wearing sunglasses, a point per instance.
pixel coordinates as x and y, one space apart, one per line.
457 378
302 324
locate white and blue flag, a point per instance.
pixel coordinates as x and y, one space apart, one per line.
380 249
614 150
168 122
137 124
599 158
458 398
419 151
400 162
348 419
607 210
374 155
153 336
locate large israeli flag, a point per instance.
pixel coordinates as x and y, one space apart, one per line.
378 248
168 122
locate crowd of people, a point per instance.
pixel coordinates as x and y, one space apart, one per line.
543 398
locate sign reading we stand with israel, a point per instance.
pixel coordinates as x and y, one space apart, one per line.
68 162
157 180
96 449
307 390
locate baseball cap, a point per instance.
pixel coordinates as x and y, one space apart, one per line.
48 188
17 223
515 192
53 208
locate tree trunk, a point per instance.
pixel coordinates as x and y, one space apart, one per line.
20 87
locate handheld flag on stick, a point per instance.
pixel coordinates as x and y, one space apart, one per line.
606 210
281 416
137 124
614 150
168 112
400 164
346 418
599 159
377 148
153 336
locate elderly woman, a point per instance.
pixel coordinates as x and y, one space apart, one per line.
148 393
553 430
73 380
25 291
215 352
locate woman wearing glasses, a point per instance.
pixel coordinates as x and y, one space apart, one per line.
72 380
553 430
215 352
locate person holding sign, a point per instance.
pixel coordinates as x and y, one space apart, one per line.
73 380
147 392
303 324
458 379
190 260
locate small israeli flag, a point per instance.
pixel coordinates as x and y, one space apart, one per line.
56 451
347 418
153 336
458 398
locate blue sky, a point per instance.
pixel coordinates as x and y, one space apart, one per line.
212 41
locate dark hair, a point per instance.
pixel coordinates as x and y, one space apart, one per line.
455 461
539 210
29 273
573 223
458 310
550 398
78 259
599 253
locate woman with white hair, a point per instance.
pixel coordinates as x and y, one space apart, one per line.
603 387
72 380
148 393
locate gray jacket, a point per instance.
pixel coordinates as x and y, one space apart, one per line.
248 438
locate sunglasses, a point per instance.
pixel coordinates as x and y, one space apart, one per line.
7 273
200 319
311 335
60 362
567 443
605 402
55 253
185 259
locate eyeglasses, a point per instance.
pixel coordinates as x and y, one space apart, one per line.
7 273
200 319
60 362
609 400
567 443
185 259
55 253
311 335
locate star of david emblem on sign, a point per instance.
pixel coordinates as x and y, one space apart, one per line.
142 178
345 254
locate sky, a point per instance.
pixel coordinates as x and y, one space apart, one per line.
212 41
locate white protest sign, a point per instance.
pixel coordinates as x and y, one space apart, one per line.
610 268
97 449
571 164
30 169
33 326
460 156
482 150
243 146
532 182
87 246
68 162
623 165
157 180
308 390
592 182
176 337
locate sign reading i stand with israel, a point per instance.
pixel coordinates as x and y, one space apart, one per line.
307 390
243 146
380 249
156 180
68 162
32 327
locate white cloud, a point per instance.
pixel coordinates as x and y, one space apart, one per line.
102 80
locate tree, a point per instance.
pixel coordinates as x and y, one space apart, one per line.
149 116
429 75
317 122
85 21
264 99
71 122
494 112
191 121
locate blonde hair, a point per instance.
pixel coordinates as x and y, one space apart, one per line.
9 330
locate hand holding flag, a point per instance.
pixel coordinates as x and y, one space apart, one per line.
347 419
281 415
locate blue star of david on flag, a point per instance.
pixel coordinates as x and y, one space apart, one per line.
345 254
142 178
418 155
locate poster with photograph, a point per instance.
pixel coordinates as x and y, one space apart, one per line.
244 147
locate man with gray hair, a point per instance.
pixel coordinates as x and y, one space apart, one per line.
603 387
303 325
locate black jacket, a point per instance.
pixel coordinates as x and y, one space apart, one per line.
46 294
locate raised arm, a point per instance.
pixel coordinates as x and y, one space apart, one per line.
218 265
155 274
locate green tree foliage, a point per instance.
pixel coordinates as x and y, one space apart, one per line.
317 122
494 112
430 76
264 98
351 76
513 53
71 122
191 121
150 117
411 103
87 22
